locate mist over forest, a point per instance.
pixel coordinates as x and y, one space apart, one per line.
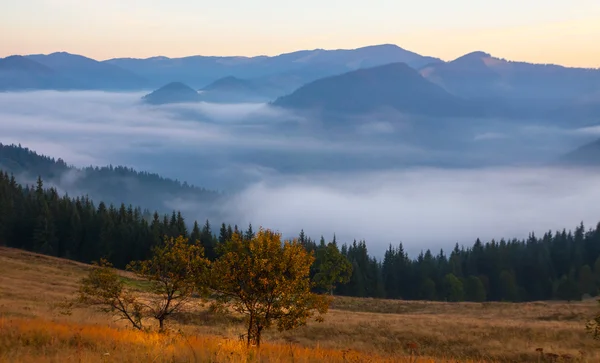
386 177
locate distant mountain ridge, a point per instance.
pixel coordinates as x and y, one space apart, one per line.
90 73
585 155
510 89
480 75
64 71
20 73
198 71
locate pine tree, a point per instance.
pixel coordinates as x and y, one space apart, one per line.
249 233
44 234
196 234
207 241
223 234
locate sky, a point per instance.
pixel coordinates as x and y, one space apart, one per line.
540 31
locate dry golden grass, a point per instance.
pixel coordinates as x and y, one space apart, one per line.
34 329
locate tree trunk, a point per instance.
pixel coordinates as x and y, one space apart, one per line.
250 330
259 329
161 325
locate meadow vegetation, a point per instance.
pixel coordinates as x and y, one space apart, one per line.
38 324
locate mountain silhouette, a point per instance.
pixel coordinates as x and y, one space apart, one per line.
174 92
20 73
308 65
396 86
480 75
89 73
586 155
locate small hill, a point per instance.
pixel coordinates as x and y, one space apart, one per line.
174 92
89 73
395 85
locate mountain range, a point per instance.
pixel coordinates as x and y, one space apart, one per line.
357 80
477 74
308 65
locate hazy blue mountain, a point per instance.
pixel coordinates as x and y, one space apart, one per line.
306 65
480 75
21 73
586 155
396 86
174 92
236 90
89 73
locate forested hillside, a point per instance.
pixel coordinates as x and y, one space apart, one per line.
110 184
561 265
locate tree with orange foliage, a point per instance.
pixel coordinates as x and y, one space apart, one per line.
176 270
268 281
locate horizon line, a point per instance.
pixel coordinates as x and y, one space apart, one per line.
296 51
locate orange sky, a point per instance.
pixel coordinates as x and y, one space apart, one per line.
540 31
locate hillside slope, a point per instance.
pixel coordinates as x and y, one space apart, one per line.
174 92
110 184
35 320
394 85
480 75
90 73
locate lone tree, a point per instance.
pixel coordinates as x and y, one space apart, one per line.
268 282
105 288
176 270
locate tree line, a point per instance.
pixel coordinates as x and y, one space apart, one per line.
558 265
111 184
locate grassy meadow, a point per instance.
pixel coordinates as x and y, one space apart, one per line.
37 326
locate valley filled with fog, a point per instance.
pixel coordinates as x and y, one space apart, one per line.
386 177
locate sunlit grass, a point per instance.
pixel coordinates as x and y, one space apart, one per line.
35 328
39 340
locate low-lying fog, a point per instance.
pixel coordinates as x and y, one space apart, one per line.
386 178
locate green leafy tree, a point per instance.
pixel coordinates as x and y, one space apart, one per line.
474 289
268 282
453 288
332 268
